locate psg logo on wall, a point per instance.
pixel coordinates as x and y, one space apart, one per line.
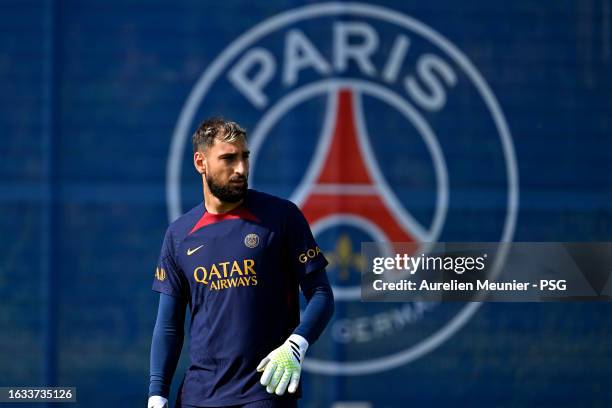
381 130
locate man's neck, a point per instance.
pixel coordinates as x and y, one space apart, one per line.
215 206
220 207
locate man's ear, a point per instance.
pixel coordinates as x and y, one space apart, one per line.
199 162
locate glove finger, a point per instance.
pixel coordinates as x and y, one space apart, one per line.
267 374
282 385
262 364
294 382
278 374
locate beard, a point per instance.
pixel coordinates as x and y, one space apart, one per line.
228 193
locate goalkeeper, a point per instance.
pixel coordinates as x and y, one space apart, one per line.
237 261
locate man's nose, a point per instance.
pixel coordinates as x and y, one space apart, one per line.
241 167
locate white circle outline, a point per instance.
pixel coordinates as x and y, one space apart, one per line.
273 23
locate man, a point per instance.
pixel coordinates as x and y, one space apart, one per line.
237 260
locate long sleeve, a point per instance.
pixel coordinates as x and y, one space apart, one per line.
166 344
320 305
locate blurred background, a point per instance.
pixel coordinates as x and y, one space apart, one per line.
474 120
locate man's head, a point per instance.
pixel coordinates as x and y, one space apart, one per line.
221 155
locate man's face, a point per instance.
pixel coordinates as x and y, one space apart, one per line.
227 170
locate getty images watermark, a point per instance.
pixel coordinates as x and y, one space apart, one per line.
507 272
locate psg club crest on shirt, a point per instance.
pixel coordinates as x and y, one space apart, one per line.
381 130
251 240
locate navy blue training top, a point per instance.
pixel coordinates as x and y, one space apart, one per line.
239 272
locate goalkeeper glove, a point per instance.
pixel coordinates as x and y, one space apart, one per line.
283 366
157 402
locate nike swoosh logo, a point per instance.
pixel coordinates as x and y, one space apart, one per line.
192 251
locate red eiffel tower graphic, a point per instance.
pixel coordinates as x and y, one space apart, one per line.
344 183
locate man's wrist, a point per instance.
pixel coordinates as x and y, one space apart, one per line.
157 401
300 342
299 339
158 389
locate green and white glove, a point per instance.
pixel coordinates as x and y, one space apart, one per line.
157 401
283 366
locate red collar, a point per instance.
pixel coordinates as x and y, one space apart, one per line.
210 218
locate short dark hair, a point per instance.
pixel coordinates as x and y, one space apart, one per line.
216 128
